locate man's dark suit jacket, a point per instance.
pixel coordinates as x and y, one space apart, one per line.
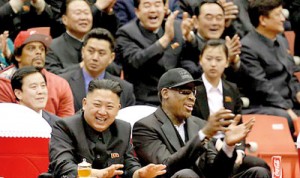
242 24
69 145
192 52
145 60
268 78
26 18
124 9
64 54
155 141
76 81
50 118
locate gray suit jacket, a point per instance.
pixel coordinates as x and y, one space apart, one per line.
268 78
145 60
69 144
64 54
156 141
76 81
50 118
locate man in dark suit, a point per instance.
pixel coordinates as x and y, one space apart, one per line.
95 135
172 136
210 23
268 68
149 46
97 53
124 10
64 54
216 93
17 15
30 88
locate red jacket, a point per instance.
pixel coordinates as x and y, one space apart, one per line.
60 99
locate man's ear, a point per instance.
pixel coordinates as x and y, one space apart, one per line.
18 94
112 57
196 23
164 93
136 11
18 59
200 61
262 20
64 19
83 103
227 63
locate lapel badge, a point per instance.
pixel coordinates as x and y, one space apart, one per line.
228 99
114 155
26 8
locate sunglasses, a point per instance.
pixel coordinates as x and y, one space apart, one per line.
185 91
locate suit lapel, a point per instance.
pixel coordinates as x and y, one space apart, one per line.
46 116
227 97
77 82
192 127
168 129
202 102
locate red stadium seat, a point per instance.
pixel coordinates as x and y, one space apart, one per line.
272 135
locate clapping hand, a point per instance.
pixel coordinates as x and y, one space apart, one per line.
108 172
105 5
234 47
218 121
187 26
149 171
236 133
231 11
3 45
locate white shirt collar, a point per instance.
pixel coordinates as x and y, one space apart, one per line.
209 87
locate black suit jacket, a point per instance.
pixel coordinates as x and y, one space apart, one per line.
64 54
76 81
268 78
231 100
26 18
145 60
50 118
156 141
69 145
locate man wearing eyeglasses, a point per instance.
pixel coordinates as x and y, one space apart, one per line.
172 136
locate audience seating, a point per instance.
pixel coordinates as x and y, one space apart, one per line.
273 137
298 148
132 114
24 138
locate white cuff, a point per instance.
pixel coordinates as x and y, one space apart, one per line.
241 151
16 5
202 136
228 150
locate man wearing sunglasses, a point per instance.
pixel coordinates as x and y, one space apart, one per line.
172 136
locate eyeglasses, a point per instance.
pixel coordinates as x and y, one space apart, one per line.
185 91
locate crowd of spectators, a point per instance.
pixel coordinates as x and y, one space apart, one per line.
135 43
